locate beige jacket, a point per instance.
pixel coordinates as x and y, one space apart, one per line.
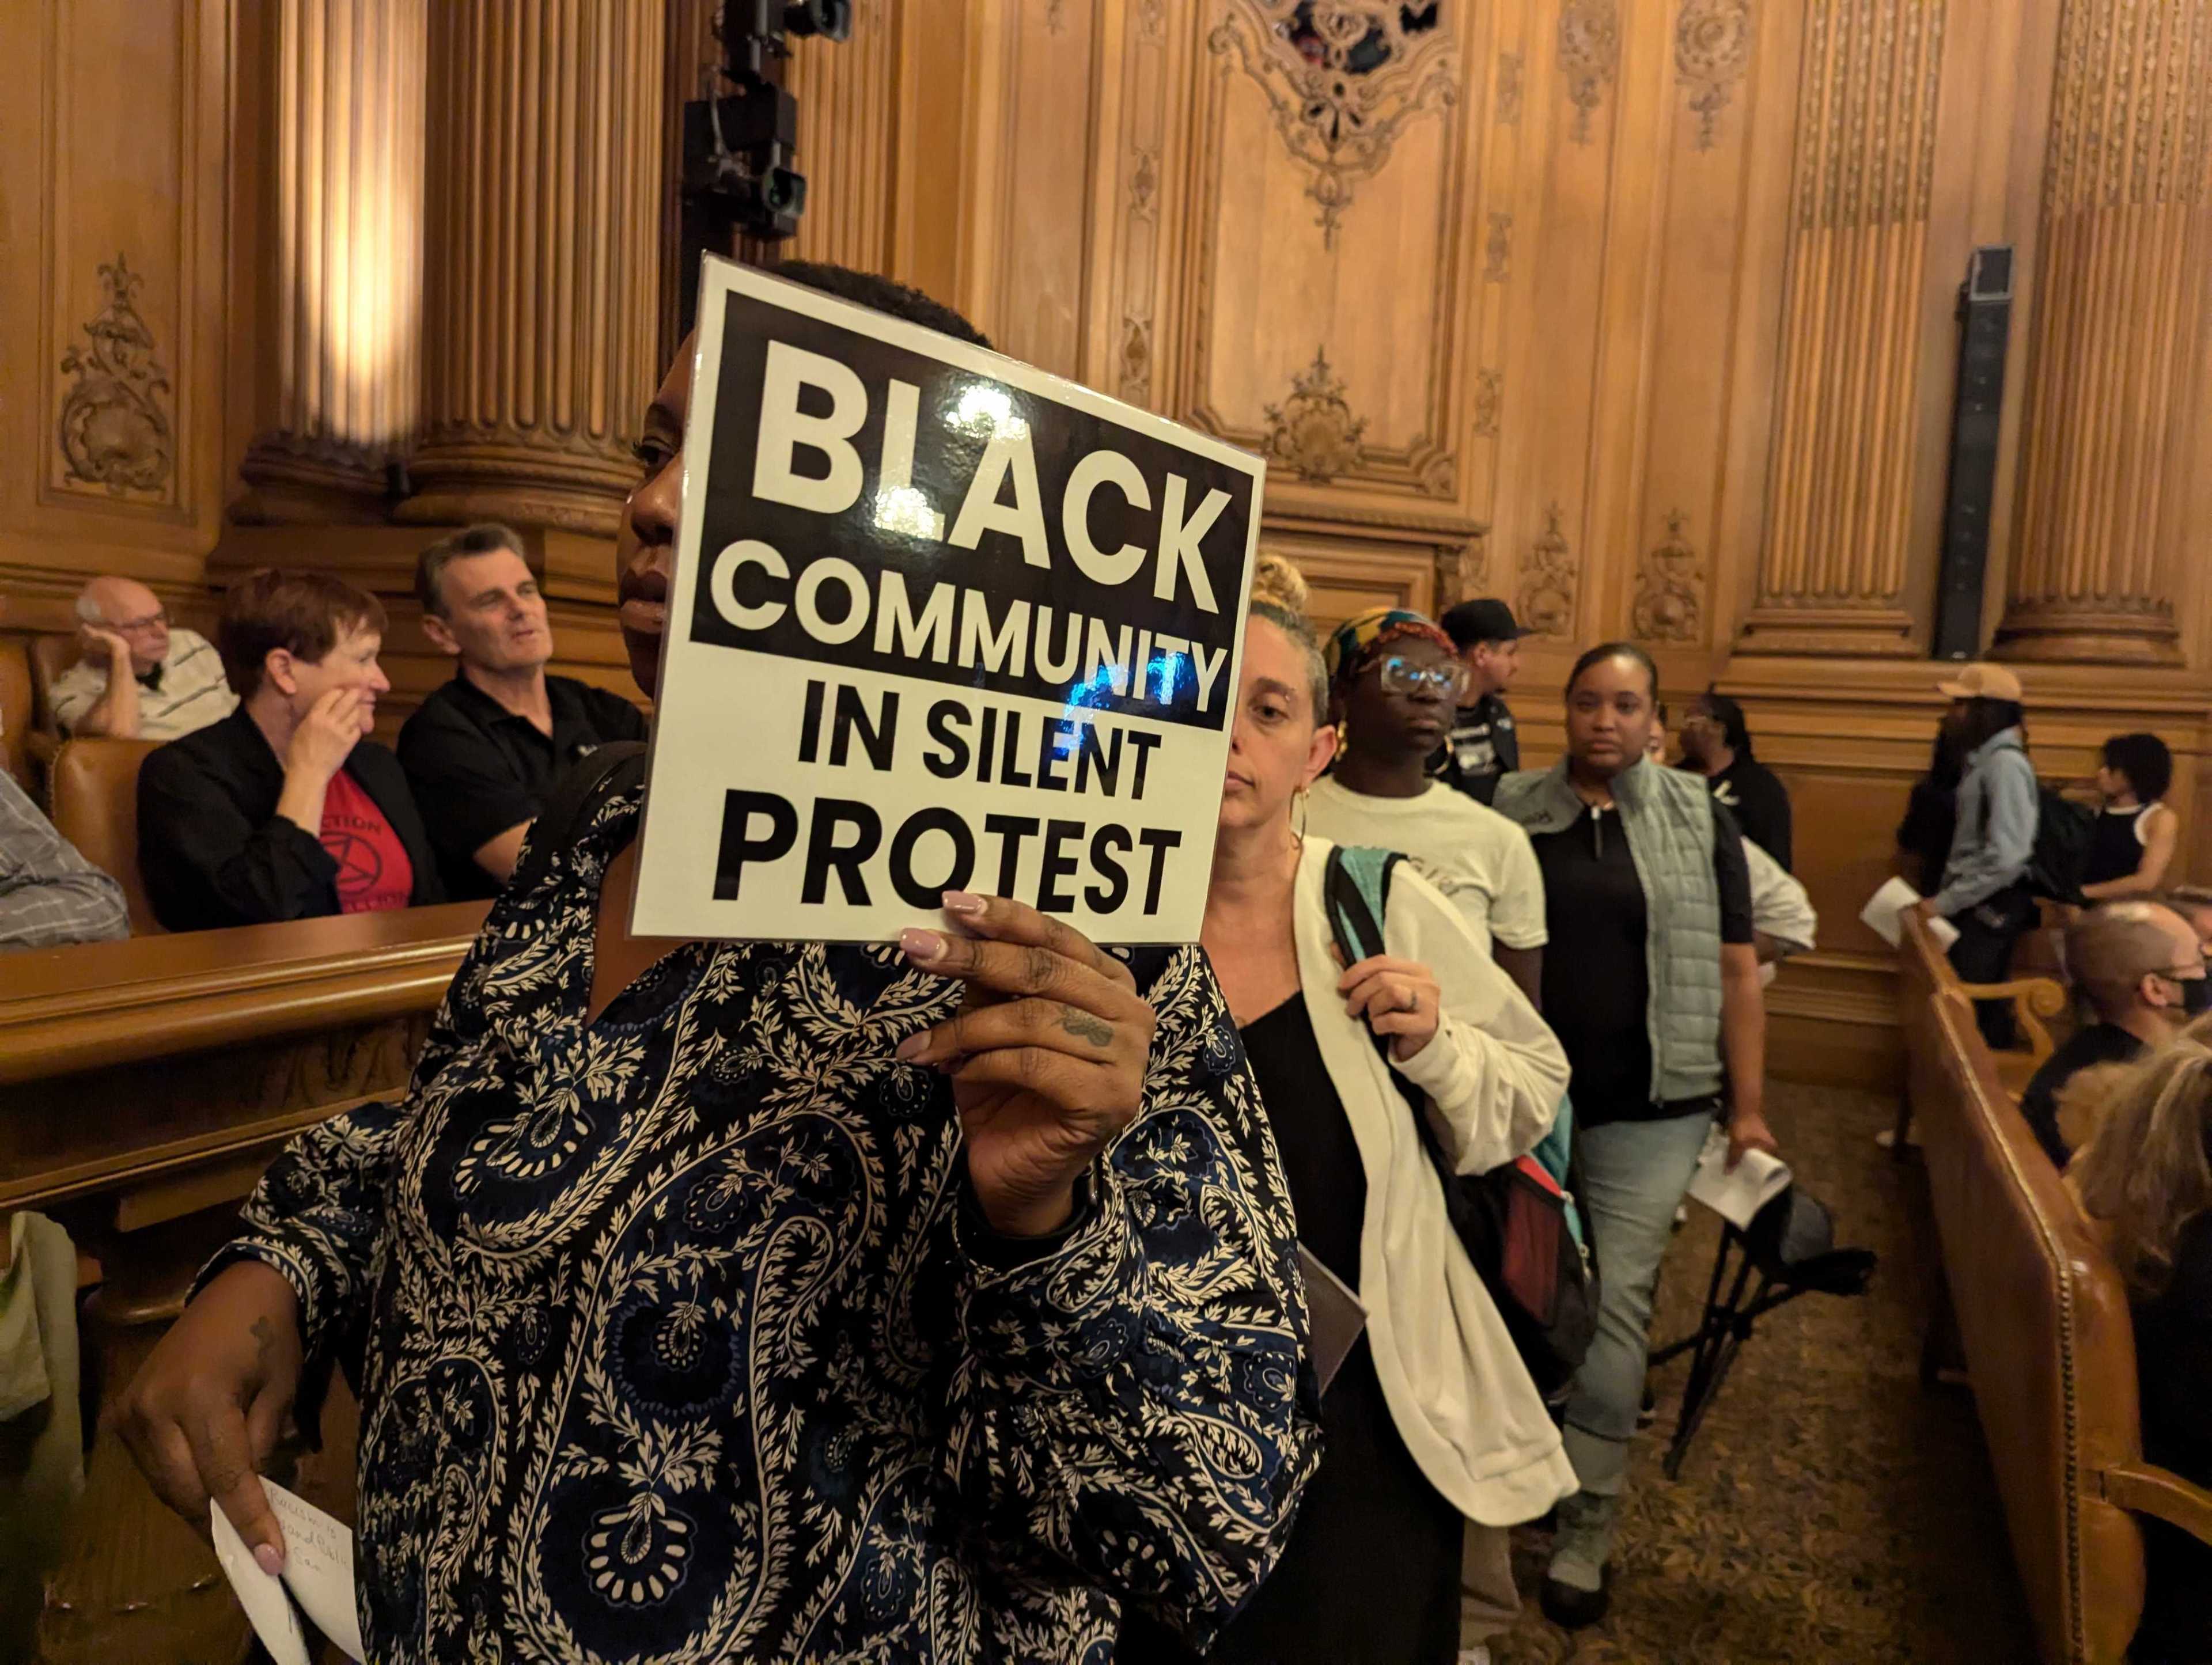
1494 1074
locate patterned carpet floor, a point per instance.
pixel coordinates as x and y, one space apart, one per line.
1831 1509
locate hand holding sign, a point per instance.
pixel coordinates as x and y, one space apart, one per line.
1047 1053
937 621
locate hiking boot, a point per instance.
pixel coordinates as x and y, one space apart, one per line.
1578 1586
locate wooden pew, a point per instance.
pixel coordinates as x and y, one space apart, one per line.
2044 1321
2037 1003
145 1085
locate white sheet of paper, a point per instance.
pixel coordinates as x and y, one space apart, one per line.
1884 916
1738 1197
268 1609
318 1567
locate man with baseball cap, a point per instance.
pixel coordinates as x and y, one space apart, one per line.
1985 892
1483 746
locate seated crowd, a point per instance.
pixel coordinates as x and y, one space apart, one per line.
1578 951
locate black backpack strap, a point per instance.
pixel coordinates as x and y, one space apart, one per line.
574 799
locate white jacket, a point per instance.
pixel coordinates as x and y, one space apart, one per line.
1494 1074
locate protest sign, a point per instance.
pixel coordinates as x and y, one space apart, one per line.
939 621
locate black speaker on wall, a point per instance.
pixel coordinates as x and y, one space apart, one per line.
1984 322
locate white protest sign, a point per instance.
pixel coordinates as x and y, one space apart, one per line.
939 621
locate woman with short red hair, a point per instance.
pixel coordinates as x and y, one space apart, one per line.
286 809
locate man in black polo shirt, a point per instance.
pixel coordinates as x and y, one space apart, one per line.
484 750
1483 747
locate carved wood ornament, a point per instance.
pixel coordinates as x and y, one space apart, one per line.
113 432
1590 53
1712 50
1548 584
1342 78
1667 607
1313 432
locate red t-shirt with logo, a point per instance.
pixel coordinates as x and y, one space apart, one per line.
373 872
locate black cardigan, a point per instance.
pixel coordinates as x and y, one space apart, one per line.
214 852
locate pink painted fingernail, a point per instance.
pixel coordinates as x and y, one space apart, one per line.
924 947
266 1558
911 1048
963 903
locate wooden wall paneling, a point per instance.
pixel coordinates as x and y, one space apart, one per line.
1324 298
929 200
338 394
1546 245
849 139
1632 264
1144 168
1708 69
2117 370
1028 263
541 292
1326 322
1347 574
1833 574
113 142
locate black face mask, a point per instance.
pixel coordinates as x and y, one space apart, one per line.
2195 995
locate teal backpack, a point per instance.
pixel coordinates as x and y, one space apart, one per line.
1518 1223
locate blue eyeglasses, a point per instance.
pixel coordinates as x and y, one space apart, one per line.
1401 675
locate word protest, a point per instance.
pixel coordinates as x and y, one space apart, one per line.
941 621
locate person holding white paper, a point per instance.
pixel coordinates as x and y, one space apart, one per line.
1653 986
929 1302
1432 1422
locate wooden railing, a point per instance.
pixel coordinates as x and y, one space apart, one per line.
2044 1323
145 1085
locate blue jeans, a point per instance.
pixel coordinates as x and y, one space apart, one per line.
1634 1174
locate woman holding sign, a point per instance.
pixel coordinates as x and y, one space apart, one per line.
931 1301
1432 1421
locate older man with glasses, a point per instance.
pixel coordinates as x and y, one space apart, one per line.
140 678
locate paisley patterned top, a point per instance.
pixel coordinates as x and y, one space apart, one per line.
679 1339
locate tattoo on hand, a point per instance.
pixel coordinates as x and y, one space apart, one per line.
1084 1027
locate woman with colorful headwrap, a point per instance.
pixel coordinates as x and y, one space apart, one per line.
1432 1422
1395 681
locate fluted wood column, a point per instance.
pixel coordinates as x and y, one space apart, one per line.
341 383
847 96
1832 573
2117 367
543 273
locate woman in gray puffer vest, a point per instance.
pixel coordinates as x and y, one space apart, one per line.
1652 983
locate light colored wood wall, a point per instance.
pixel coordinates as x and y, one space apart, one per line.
1642 316
1637 313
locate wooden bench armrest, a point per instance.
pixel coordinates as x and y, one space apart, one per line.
2163 1493
2034 1000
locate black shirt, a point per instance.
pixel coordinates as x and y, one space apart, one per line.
1484 747
2173 1362
1369 1506
2116 845
214 852
1597 982
478 769
2093 1044
1755 794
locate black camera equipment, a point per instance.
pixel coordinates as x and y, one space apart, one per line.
740 145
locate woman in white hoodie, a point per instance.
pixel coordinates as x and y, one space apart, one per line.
1432 1421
